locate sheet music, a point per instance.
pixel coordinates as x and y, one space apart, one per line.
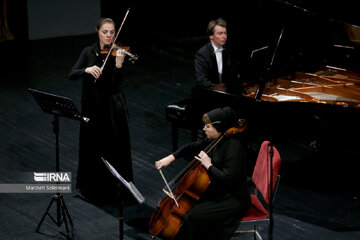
128 185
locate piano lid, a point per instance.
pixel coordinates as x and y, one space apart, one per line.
337 11
317 43
313 30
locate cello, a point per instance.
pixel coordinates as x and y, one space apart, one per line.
192 182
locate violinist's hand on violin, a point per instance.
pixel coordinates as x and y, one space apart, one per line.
164 162
94 70
120 56
204 159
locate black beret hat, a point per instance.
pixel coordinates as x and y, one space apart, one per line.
222 118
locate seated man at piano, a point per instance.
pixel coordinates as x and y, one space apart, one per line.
214 65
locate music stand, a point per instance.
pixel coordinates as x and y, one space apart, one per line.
131 187
58 106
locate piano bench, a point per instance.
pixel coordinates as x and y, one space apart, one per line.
180 115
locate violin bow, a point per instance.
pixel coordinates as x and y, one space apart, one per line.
113 44
169 193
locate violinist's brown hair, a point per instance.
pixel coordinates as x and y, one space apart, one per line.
103 21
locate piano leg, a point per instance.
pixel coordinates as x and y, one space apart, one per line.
194 135
175 136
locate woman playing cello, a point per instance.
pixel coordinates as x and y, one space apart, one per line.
217 213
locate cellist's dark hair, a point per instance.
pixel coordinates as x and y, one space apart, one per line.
206 119
103 21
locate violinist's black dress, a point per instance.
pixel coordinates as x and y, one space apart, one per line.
106 134
218 212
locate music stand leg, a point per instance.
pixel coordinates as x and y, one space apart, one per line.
121 211
62 212
44 215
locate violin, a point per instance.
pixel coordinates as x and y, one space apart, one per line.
114 46
119 46
167 218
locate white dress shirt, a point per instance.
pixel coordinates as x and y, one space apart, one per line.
218 54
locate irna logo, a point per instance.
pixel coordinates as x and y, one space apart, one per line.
52 177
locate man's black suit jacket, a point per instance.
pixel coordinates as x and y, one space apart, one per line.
206 70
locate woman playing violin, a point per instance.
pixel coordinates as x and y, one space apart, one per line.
106 135
217 213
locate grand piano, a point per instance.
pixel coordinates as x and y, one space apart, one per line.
307 101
